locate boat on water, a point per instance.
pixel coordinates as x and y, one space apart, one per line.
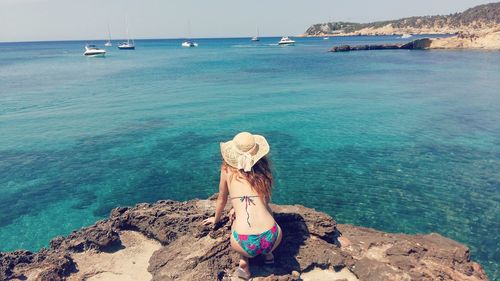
286 41
189 44
92 51
326 38
109 44
256 37
405 36
129 44
126 45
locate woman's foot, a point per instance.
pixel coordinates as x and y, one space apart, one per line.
241 273
243 270
269 258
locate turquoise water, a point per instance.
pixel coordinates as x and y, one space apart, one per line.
402 141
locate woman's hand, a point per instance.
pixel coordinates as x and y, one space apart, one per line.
210 220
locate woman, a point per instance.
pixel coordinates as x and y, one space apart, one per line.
246 180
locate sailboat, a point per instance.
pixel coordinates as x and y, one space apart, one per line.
127 45
256 38
109 44
188 43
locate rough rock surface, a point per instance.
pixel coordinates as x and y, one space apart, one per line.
487 39
188 251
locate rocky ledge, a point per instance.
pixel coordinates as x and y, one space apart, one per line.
164 241
419 44
487 40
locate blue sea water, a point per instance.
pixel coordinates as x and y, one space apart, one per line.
402 141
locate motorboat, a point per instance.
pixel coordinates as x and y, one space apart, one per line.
93 51
286 41
126 45
405 36
326 38
189 44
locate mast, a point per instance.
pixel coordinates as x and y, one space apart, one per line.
128 36
109 33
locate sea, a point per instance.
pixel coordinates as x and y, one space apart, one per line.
396 140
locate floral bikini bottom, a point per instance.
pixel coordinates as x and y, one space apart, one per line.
256 244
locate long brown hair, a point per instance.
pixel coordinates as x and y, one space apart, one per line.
260 177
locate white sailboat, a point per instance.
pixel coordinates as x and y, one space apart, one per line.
256 38
109 44
188 43
127 45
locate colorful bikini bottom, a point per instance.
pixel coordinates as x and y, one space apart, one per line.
256 244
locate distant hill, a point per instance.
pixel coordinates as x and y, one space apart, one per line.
477 18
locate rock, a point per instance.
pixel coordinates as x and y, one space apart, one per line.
295 275
419 44
189 251
342 48
98 237
8 261
56 268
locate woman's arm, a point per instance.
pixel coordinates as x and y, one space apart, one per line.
268 201
221 199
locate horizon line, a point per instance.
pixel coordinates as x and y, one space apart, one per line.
167 38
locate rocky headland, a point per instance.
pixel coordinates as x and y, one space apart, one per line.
165 241
475 28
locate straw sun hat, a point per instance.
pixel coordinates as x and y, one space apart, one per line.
244 150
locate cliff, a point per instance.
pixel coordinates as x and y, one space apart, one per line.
164 241
470 21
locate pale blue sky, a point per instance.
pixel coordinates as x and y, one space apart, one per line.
34 20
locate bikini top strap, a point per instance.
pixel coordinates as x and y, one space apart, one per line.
244 197
248 201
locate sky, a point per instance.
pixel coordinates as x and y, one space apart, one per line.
44 20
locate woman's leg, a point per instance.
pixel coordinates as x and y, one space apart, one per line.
244 264
269 256
244 256
278 240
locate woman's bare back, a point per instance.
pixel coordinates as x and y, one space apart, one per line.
252 212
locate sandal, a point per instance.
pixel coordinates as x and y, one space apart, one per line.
242 273
269 260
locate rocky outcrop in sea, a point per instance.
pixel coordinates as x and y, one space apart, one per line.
165 241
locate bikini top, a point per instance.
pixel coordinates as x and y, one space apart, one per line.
248 201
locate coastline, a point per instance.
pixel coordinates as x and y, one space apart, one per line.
488 39
164 241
